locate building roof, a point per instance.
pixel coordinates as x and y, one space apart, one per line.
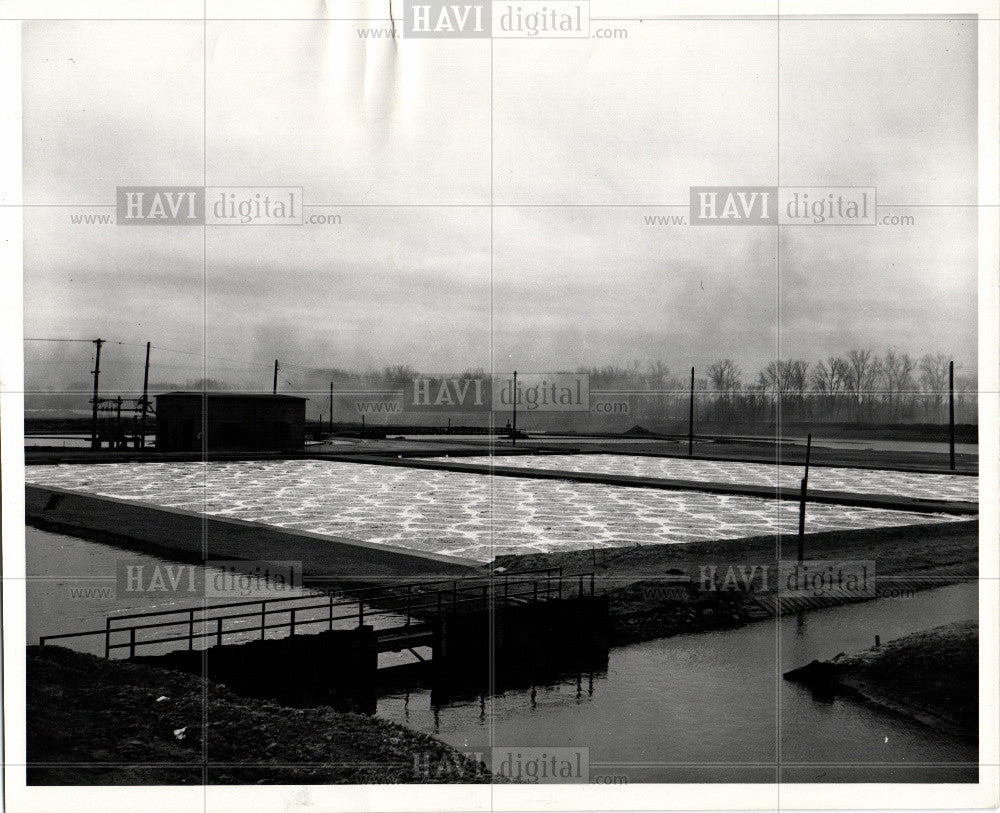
262 396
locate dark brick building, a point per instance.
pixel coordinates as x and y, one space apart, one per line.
233 421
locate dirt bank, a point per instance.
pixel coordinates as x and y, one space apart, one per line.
930 676
660 590
123 723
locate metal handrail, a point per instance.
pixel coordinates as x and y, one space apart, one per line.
375 587
484 587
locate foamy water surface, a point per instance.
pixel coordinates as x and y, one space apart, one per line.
856 481
469 515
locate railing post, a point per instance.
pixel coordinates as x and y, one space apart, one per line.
361 614
331 611
548 584
409 590
485 596
439 602
291 625
190 629
506 586
591 584
534 593
454 590
131 642
581 586
218 631
263 619
107 638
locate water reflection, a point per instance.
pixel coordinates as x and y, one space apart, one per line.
712 707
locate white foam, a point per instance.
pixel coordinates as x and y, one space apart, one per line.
469 515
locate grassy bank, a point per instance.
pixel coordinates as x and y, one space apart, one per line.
930 676
657 590
124 723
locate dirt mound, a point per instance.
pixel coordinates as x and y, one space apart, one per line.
136 724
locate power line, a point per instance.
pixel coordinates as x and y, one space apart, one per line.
33 339
237 362
88 341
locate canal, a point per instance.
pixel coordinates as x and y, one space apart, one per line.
710 707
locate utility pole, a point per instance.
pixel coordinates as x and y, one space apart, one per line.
95 443
513 433
951 414
802 501
145 402
691 419
331 407
275 390
118 425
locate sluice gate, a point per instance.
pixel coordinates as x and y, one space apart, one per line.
308 649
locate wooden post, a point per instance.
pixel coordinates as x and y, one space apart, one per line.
118 425
331 407
951 414
131 642
275 390
409 590
94 442
691 419
802 501
263 619
513 398
218 631
145 402
107 638
190 630
291 622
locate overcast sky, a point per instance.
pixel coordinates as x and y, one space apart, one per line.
585 138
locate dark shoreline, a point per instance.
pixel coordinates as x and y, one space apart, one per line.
92 721
930 677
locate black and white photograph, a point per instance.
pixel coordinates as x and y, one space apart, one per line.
500 405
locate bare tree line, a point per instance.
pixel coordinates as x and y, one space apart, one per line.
862 385
859 386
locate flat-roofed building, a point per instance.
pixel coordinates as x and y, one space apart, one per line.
192 421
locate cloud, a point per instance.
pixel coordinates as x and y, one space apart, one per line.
400 138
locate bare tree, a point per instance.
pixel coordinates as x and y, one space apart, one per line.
966 397
896 371
934 378
861 376
796 375
829 377
725 377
